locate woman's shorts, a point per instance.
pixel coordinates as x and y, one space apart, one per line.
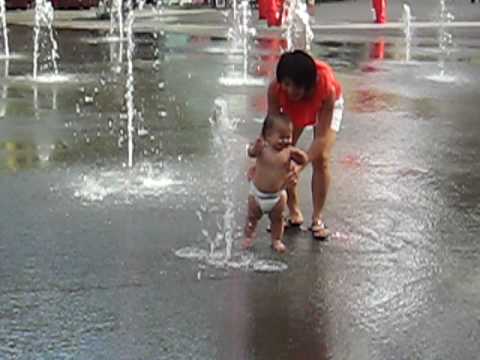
337 114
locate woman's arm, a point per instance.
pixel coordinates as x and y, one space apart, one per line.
323 124
272 99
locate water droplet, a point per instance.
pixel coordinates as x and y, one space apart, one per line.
142 132
88 99
269 266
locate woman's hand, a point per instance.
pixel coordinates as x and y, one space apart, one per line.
292 177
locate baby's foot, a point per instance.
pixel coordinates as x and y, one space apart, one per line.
247 243
279 246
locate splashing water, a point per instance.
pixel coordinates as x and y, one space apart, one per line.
407 30
445 43
4 49
297 29
44 40
244 261
143 182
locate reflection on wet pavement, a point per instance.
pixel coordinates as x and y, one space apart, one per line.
102 261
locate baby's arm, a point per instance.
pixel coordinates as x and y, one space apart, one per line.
298 155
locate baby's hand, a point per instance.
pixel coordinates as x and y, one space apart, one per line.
256 148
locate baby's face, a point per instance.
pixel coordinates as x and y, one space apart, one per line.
280 136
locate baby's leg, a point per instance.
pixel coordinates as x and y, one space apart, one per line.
276 219
254 213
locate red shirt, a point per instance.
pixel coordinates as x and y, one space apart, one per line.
304 112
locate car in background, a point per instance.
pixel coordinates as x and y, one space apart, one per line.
57 4
18 4
74 4
104 8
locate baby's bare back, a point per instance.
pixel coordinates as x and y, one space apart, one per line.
271 170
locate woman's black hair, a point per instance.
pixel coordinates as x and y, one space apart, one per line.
299 67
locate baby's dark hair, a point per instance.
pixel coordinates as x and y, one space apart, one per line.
270 122
299 67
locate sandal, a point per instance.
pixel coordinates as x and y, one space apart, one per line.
287 223
319 230
291 223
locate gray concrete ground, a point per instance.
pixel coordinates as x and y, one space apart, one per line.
87 247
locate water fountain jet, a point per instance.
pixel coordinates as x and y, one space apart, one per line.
44 16
239 36
445 43
297 29
407 30
4 47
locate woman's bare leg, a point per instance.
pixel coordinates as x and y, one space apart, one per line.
321 180
296 216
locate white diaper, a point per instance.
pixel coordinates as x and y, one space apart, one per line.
266 201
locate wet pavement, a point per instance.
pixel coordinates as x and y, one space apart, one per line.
88 266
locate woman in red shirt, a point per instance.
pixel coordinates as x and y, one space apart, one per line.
307 91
